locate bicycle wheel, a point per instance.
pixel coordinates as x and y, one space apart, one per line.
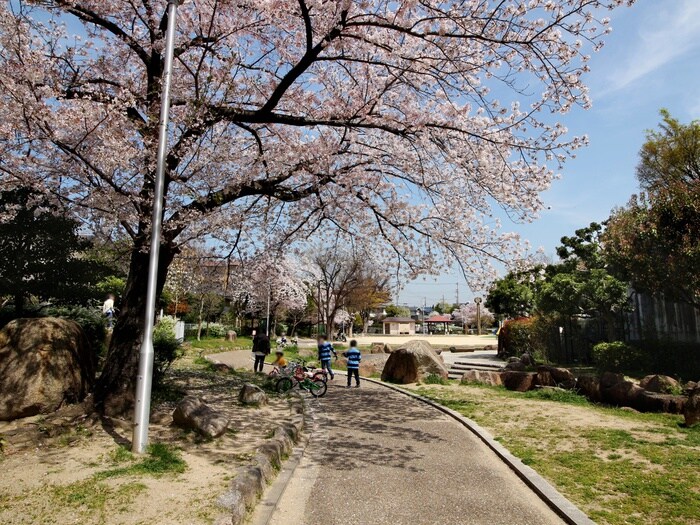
320 376
318 387
284 385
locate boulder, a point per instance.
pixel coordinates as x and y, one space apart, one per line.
519 381
252 395
553 376
660 384
691 410
516 366
193 414
412 362
689 387
482 376
388 349
623 394
373 364
589 386
376 348
527 359
655 402
609 379
44 364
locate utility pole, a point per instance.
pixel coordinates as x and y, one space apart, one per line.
144 380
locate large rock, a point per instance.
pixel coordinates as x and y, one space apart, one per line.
193 414
660 384
553 376
692 408
412 362
376 348
622 394
44 363
527 359
609 379
589 386
373 364
482 376
519 381
516 366
252 395
655 402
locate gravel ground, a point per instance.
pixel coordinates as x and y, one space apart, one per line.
379 457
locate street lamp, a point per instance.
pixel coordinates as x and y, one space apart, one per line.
144 379
477 300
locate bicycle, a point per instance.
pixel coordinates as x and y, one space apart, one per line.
304 379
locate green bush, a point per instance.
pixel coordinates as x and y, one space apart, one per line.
215 330
434 379
518 337
166 348
620 357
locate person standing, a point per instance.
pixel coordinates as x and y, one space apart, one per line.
261 348
325 352
354 357
108 310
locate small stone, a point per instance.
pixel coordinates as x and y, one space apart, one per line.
252 395
192 413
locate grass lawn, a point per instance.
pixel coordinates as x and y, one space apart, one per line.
211 344
619 467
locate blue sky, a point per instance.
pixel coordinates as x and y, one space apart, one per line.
650 61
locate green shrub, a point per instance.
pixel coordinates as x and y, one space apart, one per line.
434 379
215 330
620 357
166 348
518 337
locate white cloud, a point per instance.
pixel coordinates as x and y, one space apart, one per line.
664 35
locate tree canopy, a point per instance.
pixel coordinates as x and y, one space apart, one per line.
294 116
42 253
654 241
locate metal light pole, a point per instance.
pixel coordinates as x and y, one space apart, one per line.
477 300
267 320
144 379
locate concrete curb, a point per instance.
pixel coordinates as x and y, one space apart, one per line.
546 492
249 481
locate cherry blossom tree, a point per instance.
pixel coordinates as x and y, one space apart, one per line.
466 314
405 122
276 278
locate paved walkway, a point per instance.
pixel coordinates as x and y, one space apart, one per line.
379 457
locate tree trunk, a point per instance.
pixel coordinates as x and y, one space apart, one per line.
199 326
114 390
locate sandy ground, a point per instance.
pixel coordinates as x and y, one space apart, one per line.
52 479
379 457
435 340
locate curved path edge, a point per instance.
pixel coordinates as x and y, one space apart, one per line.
566 510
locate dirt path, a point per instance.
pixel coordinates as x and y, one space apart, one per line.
379 457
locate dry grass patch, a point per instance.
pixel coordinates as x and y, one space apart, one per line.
618 466
68 468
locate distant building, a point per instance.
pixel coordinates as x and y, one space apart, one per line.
438 323
399 326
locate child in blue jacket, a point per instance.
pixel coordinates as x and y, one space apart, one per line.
325 351
354 357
